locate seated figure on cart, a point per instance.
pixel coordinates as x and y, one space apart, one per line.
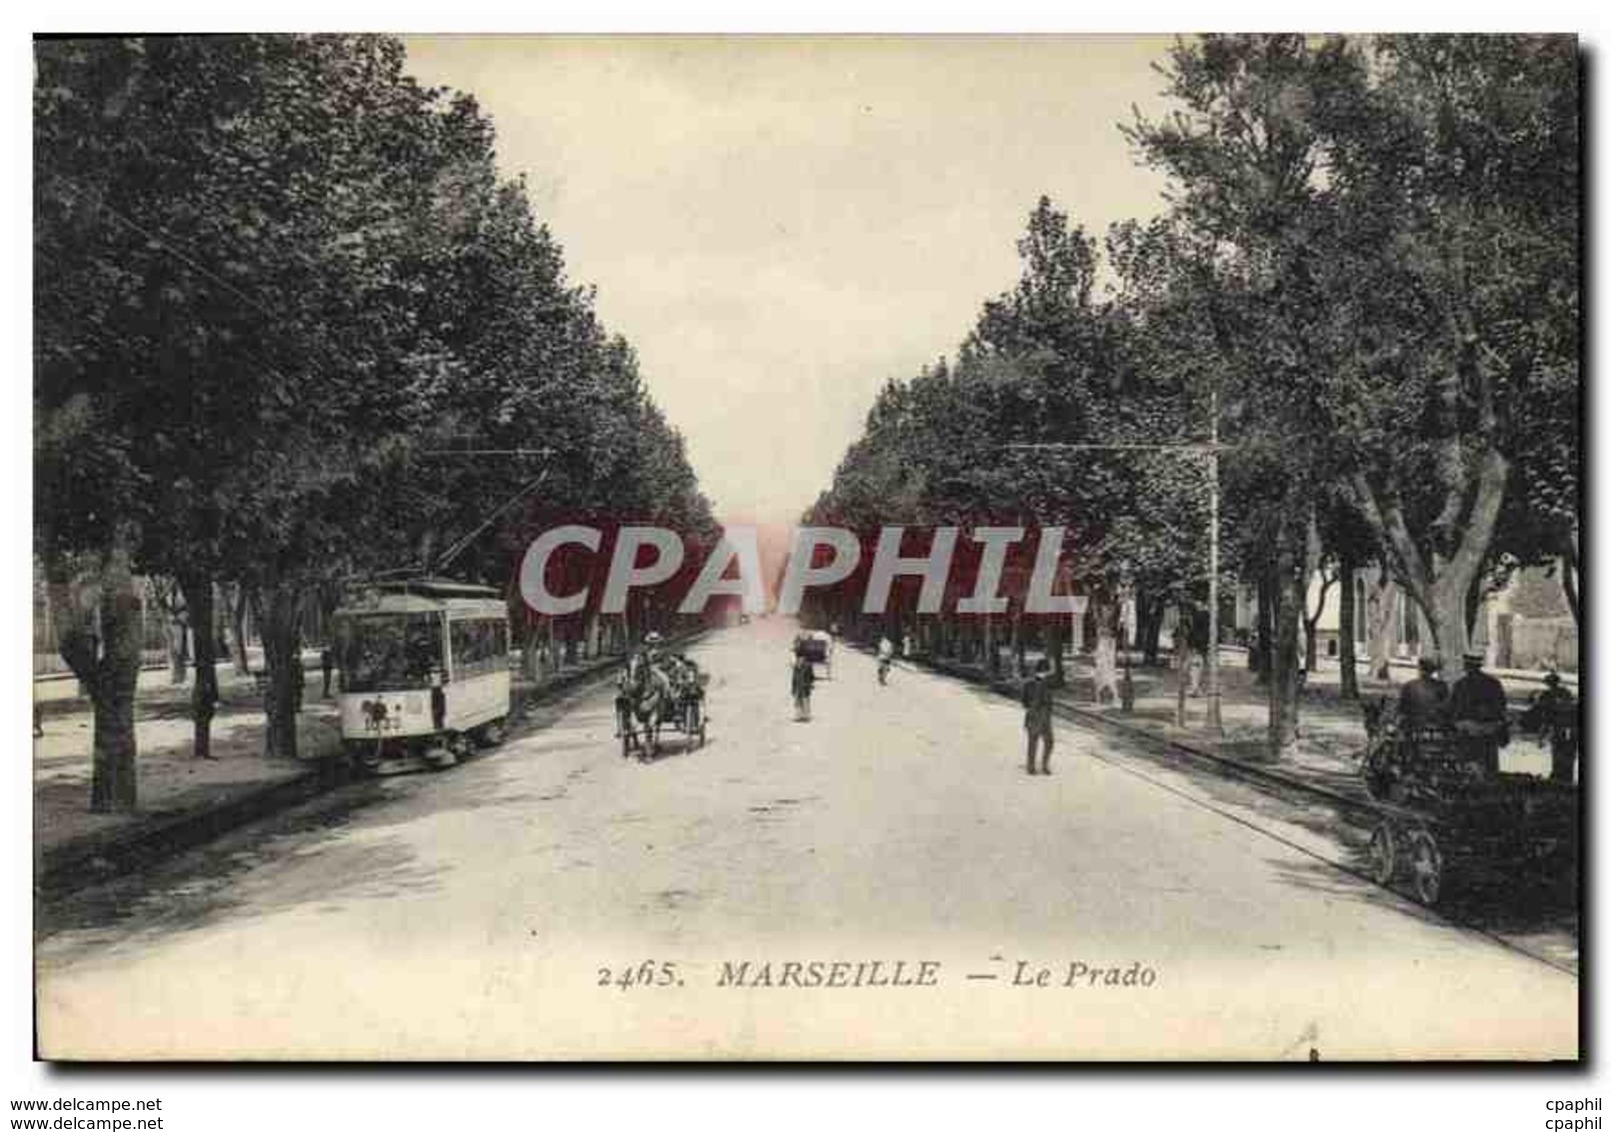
686 679
1423 701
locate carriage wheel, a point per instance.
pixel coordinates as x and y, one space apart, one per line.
1383 855
1425 867
623 723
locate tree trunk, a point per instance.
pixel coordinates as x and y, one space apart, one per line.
98 619
531 649
237 606
178 647
1264 635
1283 687
1447 606
1441 586
1182 663
1311 566
1106 656
114 786
1379 625
1150 630
1569 579
1054 639
1345 628
280 626
75 616
198 592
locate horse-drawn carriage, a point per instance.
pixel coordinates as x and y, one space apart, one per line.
656 694
1447 817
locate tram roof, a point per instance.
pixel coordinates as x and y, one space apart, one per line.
438 588
425 595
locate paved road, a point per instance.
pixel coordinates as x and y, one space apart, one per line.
473 914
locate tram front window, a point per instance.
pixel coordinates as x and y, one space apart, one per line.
390 652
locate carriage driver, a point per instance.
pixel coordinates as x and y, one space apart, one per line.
650 650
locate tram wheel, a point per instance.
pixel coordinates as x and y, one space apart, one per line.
491 734
440 758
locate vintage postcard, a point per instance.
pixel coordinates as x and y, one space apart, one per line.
768 548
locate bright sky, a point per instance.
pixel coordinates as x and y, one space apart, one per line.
780 225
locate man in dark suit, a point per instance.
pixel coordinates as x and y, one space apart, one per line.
1422 701
1038 716
1477 709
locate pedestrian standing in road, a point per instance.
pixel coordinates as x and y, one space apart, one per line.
1038 717
1477 709
802 679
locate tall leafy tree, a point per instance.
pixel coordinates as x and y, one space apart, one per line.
1452 279
1246 148
276 278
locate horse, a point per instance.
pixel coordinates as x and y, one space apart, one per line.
643 692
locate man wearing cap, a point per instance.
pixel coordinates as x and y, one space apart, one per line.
650 650
1421 702
1038 716
1477 708
1552 714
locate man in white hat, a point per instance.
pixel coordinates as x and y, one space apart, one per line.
651 648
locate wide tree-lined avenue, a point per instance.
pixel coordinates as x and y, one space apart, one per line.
469 914
317 373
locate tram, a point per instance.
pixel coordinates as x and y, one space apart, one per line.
424 674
